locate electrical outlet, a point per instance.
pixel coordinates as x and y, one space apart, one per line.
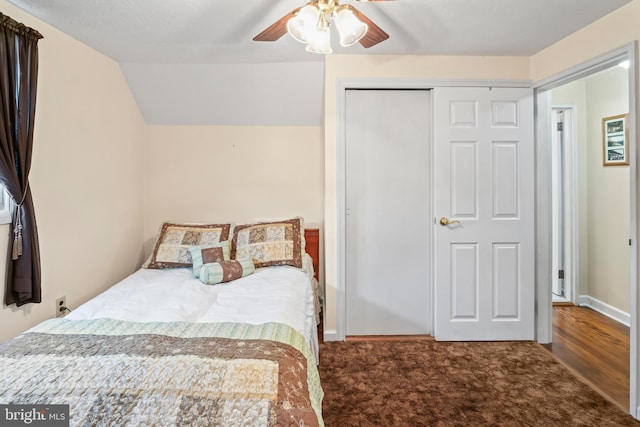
61 306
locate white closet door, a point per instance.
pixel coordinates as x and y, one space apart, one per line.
388 224
484 172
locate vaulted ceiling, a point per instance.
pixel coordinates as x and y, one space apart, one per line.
182 58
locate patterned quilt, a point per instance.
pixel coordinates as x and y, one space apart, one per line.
180 374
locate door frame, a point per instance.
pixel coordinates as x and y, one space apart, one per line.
570 213
543 198
342 85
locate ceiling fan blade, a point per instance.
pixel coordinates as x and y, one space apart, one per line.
374 35
277 29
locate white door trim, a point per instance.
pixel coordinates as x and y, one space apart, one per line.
570 192
341 87
543 201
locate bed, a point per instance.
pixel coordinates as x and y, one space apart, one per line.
165 347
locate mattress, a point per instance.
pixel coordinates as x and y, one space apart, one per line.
280 294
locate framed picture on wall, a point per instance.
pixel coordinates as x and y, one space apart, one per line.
614 141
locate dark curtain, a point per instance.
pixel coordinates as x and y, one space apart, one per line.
18 80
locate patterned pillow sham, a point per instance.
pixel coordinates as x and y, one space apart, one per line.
172 247
225 271
217 252
270 243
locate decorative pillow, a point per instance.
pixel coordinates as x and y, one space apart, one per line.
270 243
225 271
216 253
172 247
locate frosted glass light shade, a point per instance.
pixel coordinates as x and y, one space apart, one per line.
350 28
320 42
303 26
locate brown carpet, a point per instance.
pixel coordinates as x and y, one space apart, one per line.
426 383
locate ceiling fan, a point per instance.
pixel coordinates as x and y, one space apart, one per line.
309 24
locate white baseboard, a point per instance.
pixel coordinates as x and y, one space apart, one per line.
331 335
604 308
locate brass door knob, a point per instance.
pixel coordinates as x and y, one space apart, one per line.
446 221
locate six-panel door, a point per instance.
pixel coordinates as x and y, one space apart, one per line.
484 178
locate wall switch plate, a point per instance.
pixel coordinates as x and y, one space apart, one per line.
61 306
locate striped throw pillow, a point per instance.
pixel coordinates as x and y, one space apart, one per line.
217 252
225 271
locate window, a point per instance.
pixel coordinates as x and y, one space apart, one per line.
6 204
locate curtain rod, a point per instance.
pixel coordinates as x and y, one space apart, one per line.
18 28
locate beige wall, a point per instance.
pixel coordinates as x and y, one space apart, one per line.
388 68
100 175
100 142
86 176
585 44
608 33
227 173
603 191
608 195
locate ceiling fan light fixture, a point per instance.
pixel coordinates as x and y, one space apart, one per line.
321 42
350 28
303 26
316 15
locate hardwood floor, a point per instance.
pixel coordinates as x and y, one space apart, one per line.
595 348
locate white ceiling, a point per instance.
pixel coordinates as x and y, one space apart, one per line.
220 31
157 38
